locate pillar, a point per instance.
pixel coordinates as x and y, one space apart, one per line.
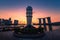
44 23
40 22
49 23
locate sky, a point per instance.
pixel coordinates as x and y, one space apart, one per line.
16 9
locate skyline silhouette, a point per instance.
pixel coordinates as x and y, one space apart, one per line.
41 8
29 20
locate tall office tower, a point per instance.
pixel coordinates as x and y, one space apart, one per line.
15 22
29 15
49 22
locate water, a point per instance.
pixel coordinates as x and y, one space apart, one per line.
53 27
54 35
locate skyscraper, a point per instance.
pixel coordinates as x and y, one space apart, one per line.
29 15
15 22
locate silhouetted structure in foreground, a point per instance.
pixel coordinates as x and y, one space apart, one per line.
29 31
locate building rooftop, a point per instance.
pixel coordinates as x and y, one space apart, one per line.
29 8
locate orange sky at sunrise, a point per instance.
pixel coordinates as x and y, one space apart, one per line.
20 14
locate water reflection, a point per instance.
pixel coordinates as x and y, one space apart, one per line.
9 35
53 27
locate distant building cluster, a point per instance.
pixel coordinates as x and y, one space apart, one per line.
5 21
8 21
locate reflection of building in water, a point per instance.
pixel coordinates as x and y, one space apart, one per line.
5 21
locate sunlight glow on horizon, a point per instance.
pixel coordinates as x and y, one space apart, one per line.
20 14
